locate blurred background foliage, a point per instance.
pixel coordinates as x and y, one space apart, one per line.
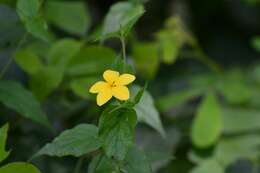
201 112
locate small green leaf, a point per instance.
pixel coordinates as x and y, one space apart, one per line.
146 111
240 120
91 60
256 42
116 129
101 164
121 18
136 162
69 16
45 81
229 150
171 100
3 136
144 52
207 166
14 96
80 86
29 12
28 61
28 9
63 51
78 141
207 125
20 167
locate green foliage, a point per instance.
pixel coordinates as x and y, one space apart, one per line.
146 111
143 52
116 130
3 136
14 96
72 17
203 132
78 141
209 166
120 19
21 166
29 12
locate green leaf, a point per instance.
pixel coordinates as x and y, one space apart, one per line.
177 98
240 120
45 81
14 96
207 125
3 136
121 18
91 60
63 51
230 150
234 88
207 166
28 61
116 129
69 16
29 12
101 164
78 141
133 159
80 86
28 9
146 111
144 52
22 167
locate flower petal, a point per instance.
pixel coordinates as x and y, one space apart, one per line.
121 92
103 97
98 86
111 76
125 79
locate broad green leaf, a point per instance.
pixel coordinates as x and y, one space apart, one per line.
91 60
68 15
230 150
101 164
63 51
28 61
78 141
121 18
29 12
81 86
46 80
240 120
207 125
207 166
28 9
3 136
177 98
14 96
143 53
234 88
20 167
136 162
116 129
146 111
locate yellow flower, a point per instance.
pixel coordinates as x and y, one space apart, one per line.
114 85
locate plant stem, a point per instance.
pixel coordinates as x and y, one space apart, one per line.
9 62
123 47
78 165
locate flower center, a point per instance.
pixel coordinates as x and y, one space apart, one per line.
113 84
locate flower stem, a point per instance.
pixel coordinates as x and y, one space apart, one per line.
9 62
123 47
